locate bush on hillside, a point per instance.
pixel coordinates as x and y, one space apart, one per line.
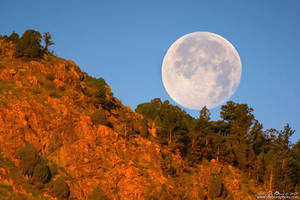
29 45
98 194
28 157
41 173
14 38
99 92
60 189
99 117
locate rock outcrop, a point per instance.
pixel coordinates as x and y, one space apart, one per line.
46 103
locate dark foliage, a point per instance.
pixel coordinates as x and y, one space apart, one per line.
41 173
28 46
173 122
100 93
60 189
239 139
98 194
99 117
28 157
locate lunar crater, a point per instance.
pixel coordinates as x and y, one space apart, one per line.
201 69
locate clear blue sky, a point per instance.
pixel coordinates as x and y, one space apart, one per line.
125 41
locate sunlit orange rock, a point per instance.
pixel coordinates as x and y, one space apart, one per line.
58 123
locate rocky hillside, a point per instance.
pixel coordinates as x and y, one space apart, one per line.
63 135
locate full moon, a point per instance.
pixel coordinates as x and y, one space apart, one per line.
201 69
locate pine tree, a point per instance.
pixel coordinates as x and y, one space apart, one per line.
29 46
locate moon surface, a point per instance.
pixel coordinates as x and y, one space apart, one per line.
201 69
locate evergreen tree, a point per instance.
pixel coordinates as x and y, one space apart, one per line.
238 139
287 174
126 122
296 155
200 135
285 136
290 174
296 151
204 114
173 126
239 117
256 139
29 46
259 169
149 110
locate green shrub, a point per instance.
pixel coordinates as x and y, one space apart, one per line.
41 173
98 194
29 46
99 92
99 117
149 110
60 189
28 157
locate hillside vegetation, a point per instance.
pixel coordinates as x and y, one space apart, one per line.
63 135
